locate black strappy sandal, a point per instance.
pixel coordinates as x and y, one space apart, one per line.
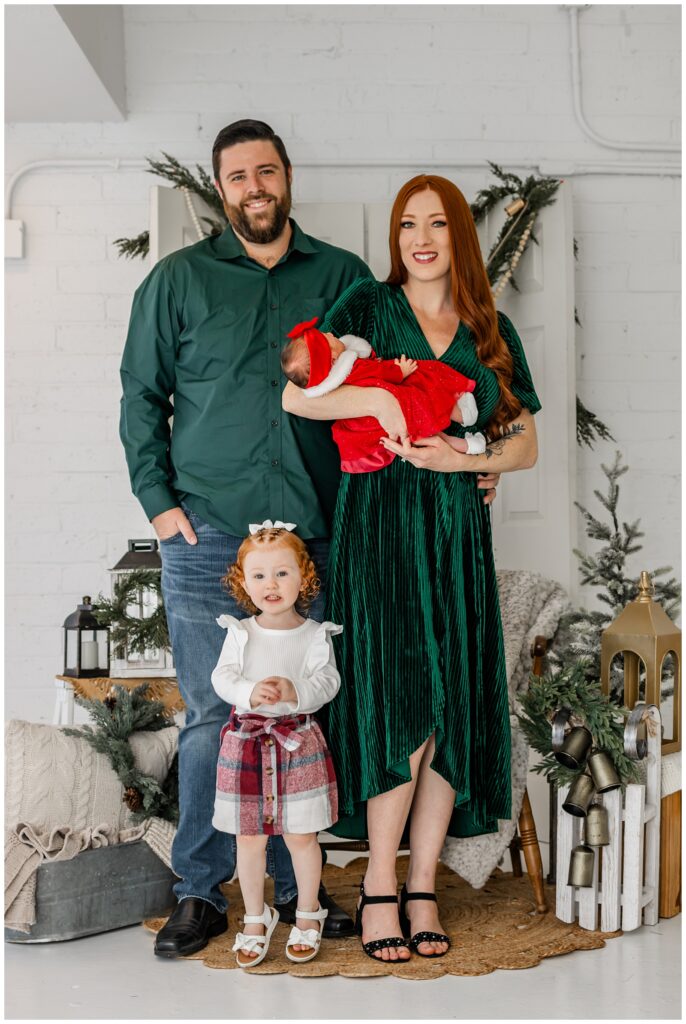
375 945
419 937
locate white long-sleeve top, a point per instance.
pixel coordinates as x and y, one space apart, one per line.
251 653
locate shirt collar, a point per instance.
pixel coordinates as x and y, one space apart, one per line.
228 246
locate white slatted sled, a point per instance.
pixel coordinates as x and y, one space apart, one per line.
627 894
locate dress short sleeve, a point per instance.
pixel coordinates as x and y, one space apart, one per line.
522 385
353 312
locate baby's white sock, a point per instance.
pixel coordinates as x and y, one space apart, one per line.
467 406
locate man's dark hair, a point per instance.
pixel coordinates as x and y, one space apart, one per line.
246 130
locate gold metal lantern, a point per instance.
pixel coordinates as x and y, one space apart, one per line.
643 632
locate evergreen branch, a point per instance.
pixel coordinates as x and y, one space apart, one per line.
202 186
589 428
131 633
134 247
573 688
113 725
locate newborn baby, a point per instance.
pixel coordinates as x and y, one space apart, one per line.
431 394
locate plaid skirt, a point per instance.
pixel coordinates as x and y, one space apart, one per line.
274 776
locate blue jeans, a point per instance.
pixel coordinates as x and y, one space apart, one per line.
203 857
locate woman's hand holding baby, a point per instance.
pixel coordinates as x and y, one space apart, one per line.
390 416
272 690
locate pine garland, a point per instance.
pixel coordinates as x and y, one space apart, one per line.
572 688
129 632
535 194
124 712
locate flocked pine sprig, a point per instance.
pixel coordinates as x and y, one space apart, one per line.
126 712
572 688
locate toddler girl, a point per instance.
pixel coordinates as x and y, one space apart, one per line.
431 394
275 774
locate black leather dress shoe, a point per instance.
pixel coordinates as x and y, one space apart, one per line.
191 926
337 925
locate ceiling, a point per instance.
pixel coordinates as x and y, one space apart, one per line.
64 62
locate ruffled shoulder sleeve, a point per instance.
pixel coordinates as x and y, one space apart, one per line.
236 639
522 383
320 652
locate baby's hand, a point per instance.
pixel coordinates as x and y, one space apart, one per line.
264 692
407 366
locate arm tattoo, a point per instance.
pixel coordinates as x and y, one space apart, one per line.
496 447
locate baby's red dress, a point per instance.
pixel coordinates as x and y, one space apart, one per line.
426 397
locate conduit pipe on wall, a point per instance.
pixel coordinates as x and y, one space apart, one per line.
562 168
651 147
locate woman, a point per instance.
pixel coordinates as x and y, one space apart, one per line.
421 722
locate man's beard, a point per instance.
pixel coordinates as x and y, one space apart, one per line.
267 230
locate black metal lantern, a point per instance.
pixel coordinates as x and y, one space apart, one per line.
86 644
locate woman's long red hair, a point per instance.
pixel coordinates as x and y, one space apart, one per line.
469 285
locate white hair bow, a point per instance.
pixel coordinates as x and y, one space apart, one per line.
269 525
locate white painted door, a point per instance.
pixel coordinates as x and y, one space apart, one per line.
533 520
534 525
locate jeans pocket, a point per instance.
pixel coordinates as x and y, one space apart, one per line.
172 539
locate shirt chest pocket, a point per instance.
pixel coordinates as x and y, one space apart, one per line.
297 309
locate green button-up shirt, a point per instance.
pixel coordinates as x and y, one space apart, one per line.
207 327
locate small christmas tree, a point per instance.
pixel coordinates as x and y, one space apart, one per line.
606 572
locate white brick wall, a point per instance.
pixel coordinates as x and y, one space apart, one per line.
375 82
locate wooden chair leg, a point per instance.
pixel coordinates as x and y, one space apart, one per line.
532 853
515 850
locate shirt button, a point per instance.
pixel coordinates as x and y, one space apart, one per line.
269 796
275 383
274 345
275 462
275 423
274 305
269 820
269 742
269 771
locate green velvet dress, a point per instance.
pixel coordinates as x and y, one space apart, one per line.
412 581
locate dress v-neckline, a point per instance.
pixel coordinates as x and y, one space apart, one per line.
421 332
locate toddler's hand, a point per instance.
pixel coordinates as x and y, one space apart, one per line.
407 366
287 691
264 692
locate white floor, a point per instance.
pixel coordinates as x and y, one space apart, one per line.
115 976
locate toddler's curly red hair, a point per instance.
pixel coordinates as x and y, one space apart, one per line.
234 581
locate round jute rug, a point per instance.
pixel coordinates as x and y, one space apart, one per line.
494 927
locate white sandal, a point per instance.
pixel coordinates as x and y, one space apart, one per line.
307 937
255 943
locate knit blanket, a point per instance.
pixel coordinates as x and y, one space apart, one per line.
26 849
530 606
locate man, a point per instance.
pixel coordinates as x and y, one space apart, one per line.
207 326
